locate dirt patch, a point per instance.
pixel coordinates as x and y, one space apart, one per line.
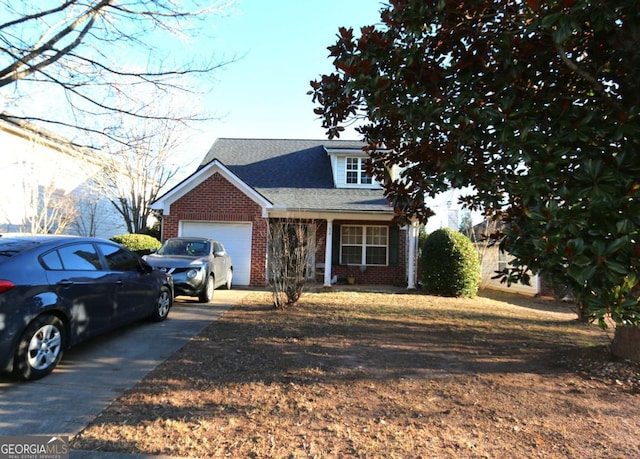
373 375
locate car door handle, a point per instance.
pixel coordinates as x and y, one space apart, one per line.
65 283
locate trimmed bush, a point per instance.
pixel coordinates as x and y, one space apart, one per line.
141 244
450 264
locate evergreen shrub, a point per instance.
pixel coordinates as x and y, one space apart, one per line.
141 244
450 264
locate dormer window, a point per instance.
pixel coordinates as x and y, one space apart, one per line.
349 171
355 173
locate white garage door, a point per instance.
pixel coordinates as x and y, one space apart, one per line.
236 238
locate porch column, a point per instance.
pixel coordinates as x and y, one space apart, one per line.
413 243
327 254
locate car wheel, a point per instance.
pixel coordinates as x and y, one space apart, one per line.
229 279
207 293
163 304
40 348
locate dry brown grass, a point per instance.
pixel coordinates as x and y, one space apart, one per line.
370 375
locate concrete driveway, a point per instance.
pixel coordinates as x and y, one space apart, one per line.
94 373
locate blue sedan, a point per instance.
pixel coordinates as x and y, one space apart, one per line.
56 291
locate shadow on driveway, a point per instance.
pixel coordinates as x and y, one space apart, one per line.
97 371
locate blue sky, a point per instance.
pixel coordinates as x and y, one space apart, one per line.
281 46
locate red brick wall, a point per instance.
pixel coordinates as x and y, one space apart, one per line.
321 240
217 199
373 275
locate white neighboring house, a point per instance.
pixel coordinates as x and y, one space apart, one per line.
42 174
492 259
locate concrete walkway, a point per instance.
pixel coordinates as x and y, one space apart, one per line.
96 372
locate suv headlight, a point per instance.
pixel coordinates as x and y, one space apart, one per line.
192 273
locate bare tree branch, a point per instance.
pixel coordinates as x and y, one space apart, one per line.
89 53
37 15
597 86
135 174
13 72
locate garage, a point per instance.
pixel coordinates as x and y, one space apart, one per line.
236 238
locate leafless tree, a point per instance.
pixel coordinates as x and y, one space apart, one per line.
95 54
94 212
38 206
291 246
86 223
49 209
135 172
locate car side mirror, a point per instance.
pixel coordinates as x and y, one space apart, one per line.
219 253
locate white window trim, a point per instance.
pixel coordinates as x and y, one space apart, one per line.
363 245
359 170
503 262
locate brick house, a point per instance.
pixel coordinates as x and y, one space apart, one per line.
242 185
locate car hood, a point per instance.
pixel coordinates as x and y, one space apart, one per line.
174 261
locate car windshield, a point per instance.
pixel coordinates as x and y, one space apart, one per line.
185 248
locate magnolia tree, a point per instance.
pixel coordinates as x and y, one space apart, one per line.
534 106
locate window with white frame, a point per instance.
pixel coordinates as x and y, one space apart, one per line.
355 173
364 245
502 260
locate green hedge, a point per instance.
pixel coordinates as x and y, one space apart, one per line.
450 264
142 244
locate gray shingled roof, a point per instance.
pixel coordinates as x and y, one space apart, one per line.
294 173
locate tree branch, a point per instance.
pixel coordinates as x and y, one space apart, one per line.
598 87
12 73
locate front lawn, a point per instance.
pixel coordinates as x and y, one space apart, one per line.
375 375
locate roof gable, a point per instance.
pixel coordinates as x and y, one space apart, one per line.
190 183
285 175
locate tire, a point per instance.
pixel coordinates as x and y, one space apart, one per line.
162 306
229 281
40 348
206 295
